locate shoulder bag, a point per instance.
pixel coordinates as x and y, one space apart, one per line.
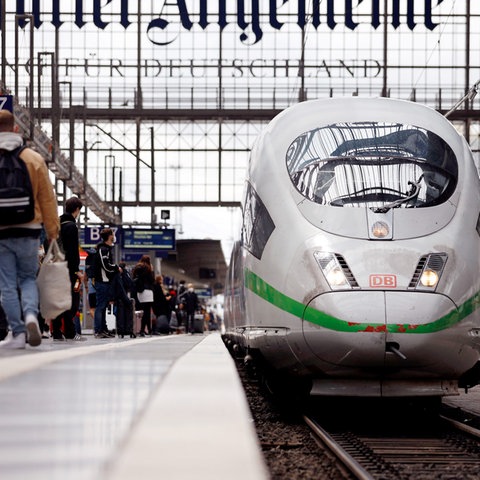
53 281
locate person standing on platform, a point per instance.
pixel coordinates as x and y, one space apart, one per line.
19 244
122 286
105 271
70 245
190 306
144 279
161 307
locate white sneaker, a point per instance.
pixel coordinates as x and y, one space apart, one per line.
34 335
13 343
78 338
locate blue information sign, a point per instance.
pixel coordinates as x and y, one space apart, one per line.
90 236
6 102
149 239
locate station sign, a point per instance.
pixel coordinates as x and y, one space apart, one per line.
149 239
6 102
90 236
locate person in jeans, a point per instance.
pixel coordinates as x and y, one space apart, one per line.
105 271
19 246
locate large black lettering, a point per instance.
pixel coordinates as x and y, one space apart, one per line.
57 23
97 14
36 13
375 14
124 14
162 24
331 15
428 14
244 25
349 23
79 14
396 14
273 14
184 16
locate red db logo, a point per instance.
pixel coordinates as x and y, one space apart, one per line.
383 281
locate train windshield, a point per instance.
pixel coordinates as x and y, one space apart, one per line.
373 165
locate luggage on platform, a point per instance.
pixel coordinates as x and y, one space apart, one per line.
198 323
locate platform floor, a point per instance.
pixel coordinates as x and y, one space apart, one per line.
161 407
468 401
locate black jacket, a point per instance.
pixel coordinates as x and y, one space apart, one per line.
69 243
190 301
105 269
161 306
143 278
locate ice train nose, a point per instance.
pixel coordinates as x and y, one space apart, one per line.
369 329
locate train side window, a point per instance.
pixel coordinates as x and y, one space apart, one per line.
257 223
375 165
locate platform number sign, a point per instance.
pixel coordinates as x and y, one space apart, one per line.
6 102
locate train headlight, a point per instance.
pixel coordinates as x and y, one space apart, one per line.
429 278
428 272
335 270
380 230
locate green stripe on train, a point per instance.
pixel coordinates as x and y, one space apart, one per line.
264 290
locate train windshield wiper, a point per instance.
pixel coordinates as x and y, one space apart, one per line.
413 193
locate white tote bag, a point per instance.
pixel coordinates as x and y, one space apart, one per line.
146 296
53 283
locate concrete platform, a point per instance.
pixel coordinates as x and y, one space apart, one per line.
468 401
161 407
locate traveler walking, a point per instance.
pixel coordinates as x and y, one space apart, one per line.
70 245
190 304
144 279
105 270
20 236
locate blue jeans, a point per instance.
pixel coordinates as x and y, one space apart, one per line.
102 291
18 271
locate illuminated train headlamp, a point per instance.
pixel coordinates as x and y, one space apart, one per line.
335 271
428 272
380 230
429 278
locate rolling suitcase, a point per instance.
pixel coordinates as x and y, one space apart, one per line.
198 323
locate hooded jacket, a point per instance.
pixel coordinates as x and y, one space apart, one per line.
46 207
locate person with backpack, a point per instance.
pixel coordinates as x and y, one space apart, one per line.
27 201
69 243
105 271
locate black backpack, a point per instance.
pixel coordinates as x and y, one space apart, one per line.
17 204
90 262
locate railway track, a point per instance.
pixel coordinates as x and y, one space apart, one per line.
441 447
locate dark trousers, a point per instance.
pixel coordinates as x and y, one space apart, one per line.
68 319
146 318
124 317
189 322
3 324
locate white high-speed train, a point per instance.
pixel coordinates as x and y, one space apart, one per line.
357 273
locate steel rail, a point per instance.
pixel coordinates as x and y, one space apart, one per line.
461 426
338 451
